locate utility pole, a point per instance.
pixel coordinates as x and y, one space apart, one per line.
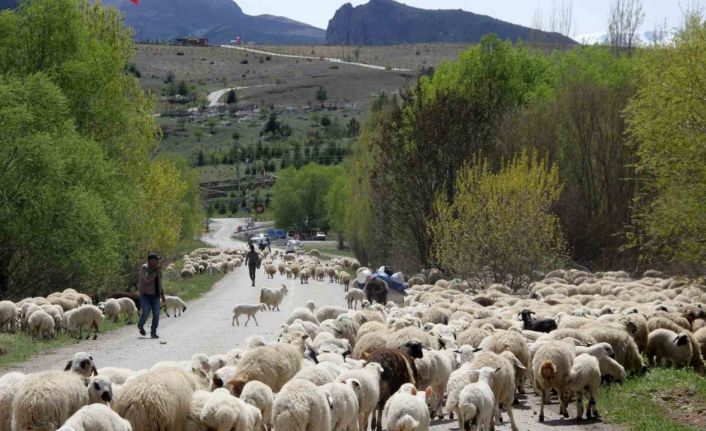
237 170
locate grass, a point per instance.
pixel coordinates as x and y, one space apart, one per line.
663 400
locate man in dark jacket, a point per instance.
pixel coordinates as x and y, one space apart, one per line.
150 287
252 260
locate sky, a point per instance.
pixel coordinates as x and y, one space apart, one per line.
590 16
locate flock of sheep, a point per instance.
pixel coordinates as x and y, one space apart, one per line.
451 348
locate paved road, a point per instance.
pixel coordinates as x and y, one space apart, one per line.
214 97
206 327
309 57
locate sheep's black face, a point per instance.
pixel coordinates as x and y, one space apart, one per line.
415 350
217 382
682 340
105 396
85 364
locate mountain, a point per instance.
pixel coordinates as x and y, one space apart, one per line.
218 20
386 22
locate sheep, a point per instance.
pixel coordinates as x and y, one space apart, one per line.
476 402
173 303
132 296
354 296
624 346
329 312
369 378
8 316
434 370
303 314
663 344
85 315
304 276
543 325
45 400
100 390
270 270
128 307
41 325
116 376
271 365
249 310
344 396
159 399
316 375
503 383
222 376
8 388
96 417
700 337
273 297
514 342
584 376
550 367
82 364
407 409
302 406
259 395
222 411
111 309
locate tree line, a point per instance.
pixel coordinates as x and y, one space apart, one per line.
83 199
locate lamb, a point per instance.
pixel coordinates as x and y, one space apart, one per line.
249 310
128 307
585 376
85 315
8 388
270 271
514 342
271 365
369 378
100 390
116 376
434 370
543 325
41 325
477 402
173 303
550 367
663 344
132 296
503 382
259 395
303 314
624 346
159 399
329 312
407 409
96 417
45 400
111 309
8 316
344 396
302 406
222 411
222 376
82 364
316 375
304 276
354 296
273 297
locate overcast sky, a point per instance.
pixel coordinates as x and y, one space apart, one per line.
590 15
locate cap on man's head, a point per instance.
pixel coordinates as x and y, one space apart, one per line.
153 256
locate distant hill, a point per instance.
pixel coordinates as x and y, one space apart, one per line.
218 20
386 22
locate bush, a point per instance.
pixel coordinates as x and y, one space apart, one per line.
499 224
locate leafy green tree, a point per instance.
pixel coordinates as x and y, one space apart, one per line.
231 97
182 89
211 122
666 122
500 224
336 206
198 133
321 96
353 128
272 125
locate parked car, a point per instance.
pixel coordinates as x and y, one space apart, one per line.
293 245
260 238
320 236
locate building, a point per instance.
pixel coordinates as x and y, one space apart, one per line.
192 41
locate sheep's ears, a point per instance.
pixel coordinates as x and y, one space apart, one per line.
329 400
305 336
414 391
428 391
365 355
477 349
354 383
442 344
532 313
94 370
68 365
497 369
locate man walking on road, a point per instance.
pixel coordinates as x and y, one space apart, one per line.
252 260
150 287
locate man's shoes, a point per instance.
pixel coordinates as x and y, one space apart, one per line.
154 336
253 284
142 331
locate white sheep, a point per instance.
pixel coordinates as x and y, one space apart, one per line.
100 390
249 310
407 409
503 383
41 325
8 316
550 367
116 376
434 369
585 376
159 399
259 395
344 413
302 406
273 297
85 315
329 312
9 383
82 364
128 307
355 297
369 379
316 375
175 304
477 402
45 400
96 417
222 411
666 345
111 309
221 377
303 314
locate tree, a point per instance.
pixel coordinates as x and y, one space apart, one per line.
500 228
336 206
353 128
182 89
624 18
231 97
272 125
211 124
321 96
666 123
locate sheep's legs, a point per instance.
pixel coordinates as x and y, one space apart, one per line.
512 418
563 401
579 407
592 409
235 320
543 396
246 322
255 319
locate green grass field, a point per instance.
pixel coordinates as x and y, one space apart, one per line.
663 400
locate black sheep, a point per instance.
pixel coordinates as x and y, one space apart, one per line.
376 291
531 324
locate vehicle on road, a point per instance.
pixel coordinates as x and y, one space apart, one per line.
260 238
293 245
320 236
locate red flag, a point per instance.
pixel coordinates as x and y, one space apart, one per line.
135 1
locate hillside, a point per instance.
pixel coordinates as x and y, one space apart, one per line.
386 22
218 20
